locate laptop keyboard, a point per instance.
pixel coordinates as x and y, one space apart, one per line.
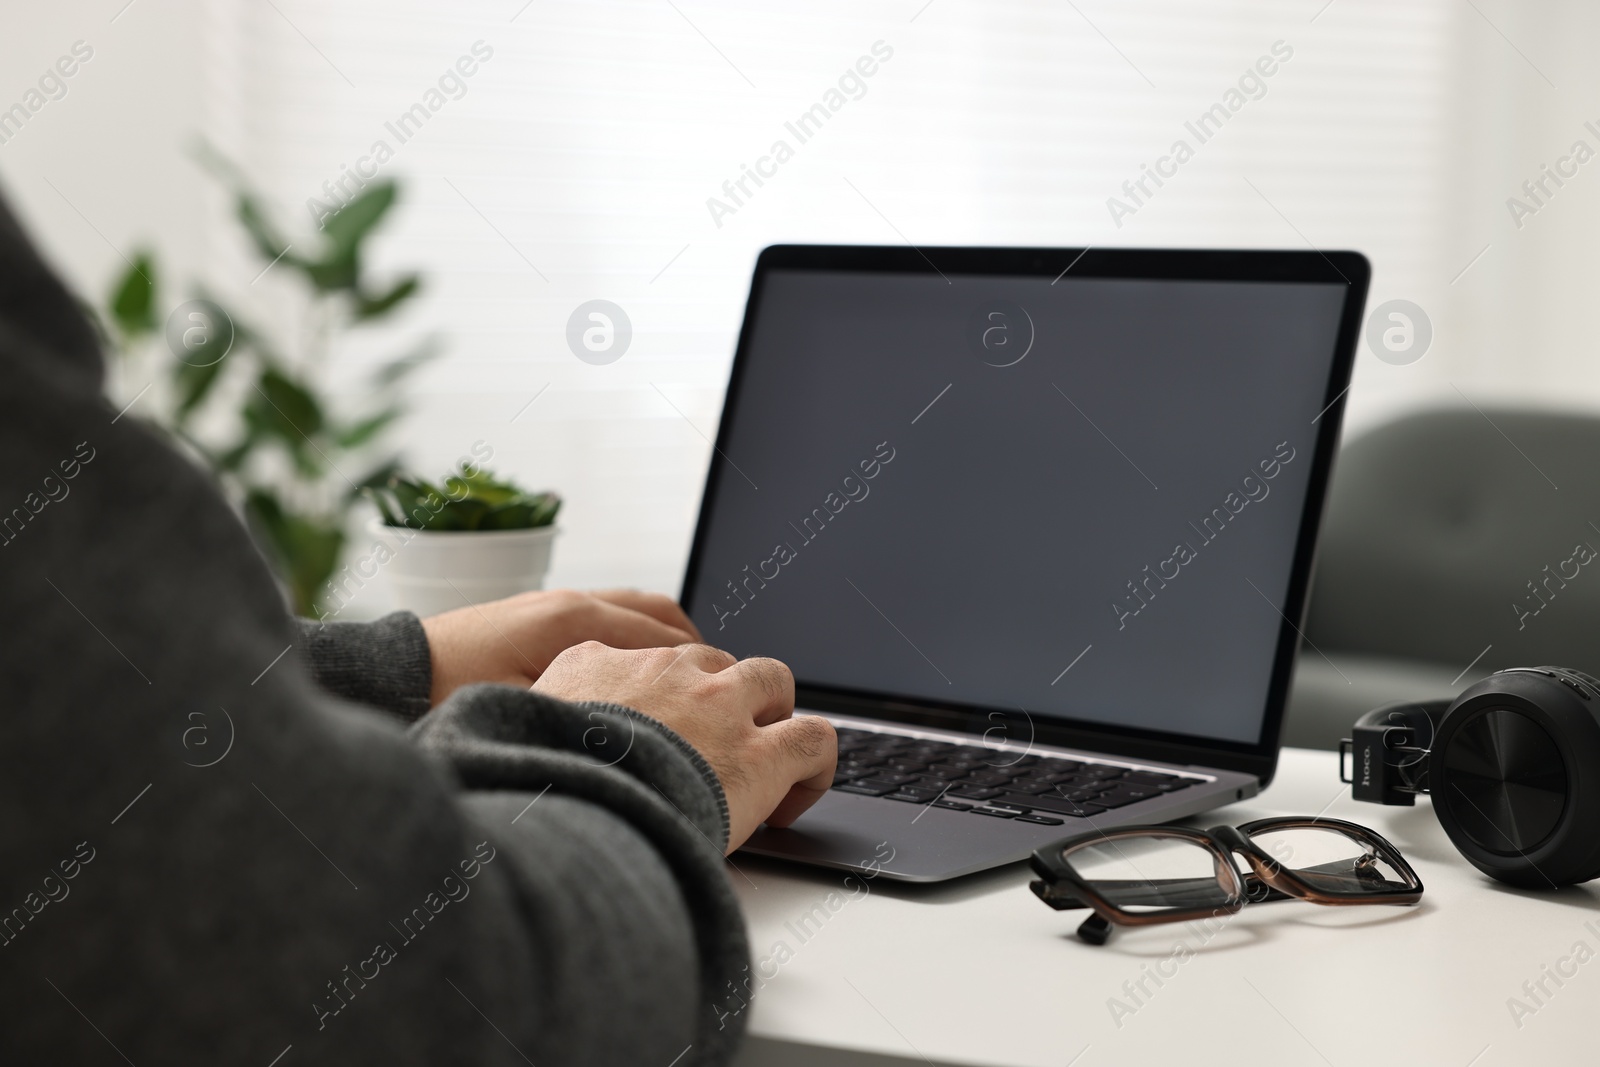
1046 790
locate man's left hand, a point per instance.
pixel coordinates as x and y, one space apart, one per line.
513 640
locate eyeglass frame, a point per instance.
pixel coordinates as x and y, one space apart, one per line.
1063 889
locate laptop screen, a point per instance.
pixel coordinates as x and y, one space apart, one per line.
1079 499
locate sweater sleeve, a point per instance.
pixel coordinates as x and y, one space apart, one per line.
384 663
606 766
285 875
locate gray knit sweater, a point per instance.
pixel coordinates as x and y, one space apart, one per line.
212 852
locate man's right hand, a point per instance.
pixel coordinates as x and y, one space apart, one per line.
739 714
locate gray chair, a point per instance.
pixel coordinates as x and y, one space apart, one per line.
1452 538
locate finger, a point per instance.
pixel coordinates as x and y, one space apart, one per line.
772 688
808 754
658 607
622 627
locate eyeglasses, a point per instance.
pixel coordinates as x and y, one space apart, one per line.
1141 875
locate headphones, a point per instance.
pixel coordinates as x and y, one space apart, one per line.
1512 764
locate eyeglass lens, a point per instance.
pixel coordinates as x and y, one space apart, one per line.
1330 859
1154 872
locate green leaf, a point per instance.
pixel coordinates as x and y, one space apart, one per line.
527 512
518 516
466 514
360 433
420 503
193 384
385 504
480 486
335 273
545 513
349 226
372 307
247 205
234 458
270 244
285 408
133 301
305 548
401 367
373 485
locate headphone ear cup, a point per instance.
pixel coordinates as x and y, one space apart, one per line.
1515 776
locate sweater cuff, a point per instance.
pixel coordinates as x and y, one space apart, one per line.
385 664
720 825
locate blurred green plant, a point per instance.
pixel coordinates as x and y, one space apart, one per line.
264 422
471 500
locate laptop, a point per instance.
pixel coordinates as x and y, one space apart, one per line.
1032 527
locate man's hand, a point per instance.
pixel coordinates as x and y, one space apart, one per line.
739 714
513 640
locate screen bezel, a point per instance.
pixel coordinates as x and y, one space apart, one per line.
1349 269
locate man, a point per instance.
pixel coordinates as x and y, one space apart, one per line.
213 853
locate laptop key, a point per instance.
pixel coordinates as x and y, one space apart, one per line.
1121 797
953 805
865 790
888 782
987 778
884 775
1059 805
1009 806
973 792
909 798
1044 777
998 813
1042 820
945 770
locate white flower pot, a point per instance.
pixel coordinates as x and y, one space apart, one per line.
435 571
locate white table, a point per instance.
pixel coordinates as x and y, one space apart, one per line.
980 972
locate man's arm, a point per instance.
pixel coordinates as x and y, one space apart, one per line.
208 857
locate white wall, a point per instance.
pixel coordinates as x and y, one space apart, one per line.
592 139
102 169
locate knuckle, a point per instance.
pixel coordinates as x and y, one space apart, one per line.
565 598
810 736
572 604
773 675
710 654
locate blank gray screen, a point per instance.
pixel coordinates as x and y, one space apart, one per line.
979 490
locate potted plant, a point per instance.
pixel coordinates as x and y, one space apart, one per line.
256 408
473 539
